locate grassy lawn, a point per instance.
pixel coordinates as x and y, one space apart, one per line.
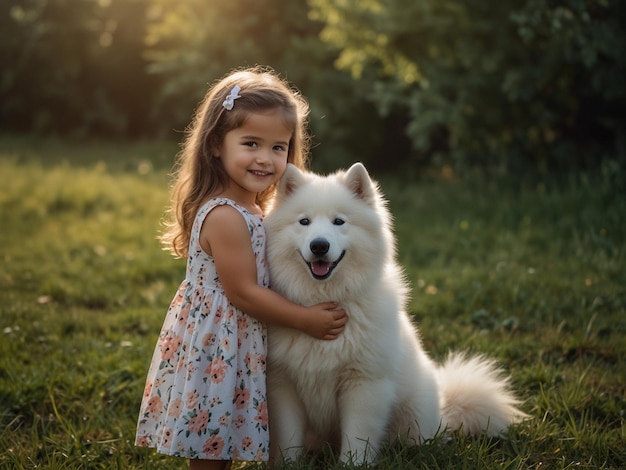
532 274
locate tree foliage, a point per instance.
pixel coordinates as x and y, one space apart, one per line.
393 83
488 82
74 66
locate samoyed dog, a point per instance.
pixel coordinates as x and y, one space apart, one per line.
330 238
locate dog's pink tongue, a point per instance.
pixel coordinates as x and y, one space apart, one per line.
320 268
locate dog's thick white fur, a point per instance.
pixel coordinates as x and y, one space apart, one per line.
330 238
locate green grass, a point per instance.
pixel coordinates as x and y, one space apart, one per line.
533 275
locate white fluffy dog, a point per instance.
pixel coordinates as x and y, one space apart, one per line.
330 238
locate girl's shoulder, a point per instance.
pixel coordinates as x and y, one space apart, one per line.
223 201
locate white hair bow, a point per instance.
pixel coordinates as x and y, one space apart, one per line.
229 102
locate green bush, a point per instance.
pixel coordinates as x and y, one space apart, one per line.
507 85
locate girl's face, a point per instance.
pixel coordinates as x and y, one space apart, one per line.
255 154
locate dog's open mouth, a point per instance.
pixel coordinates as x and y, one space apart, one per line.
322 269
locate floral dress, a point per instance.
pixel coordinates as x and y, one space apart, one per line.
205 395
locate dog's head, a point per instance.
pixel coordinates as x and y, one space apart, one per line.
331 230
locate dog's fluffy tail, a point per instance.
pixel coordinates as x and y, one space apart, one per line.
476 397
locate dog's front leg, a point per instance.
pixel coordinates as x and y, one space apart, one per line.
287 419
365 408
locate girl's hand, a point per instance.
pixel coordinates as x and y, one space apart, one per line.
324 321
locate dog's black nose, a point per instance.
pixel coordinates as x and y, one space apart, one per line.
319 246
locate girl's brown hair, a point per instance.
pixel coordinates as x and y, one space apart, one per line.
198 174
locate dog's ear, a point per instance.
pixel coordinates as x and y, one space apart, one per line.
291 180
358 180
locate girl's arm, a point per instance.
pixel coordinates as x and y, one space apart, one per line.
225 236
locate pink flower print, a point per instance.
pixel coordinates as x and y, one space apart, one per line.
198 423
216 401
213 446
219 313
225 343
181 362
255 362
242 396
183 315
246 443
155 405
239 421
262 416
208 340
166 439
192 399
169 346
179 297
231 313
242 322
143 441
223 420
175 408
217 370
148 389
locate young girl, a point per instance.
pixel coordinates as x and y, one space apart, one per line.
205 395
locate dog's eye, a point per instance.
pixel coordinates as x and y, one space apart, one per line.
338 221
304 221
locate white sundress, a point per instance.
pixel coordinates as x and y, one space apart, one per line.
205 395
